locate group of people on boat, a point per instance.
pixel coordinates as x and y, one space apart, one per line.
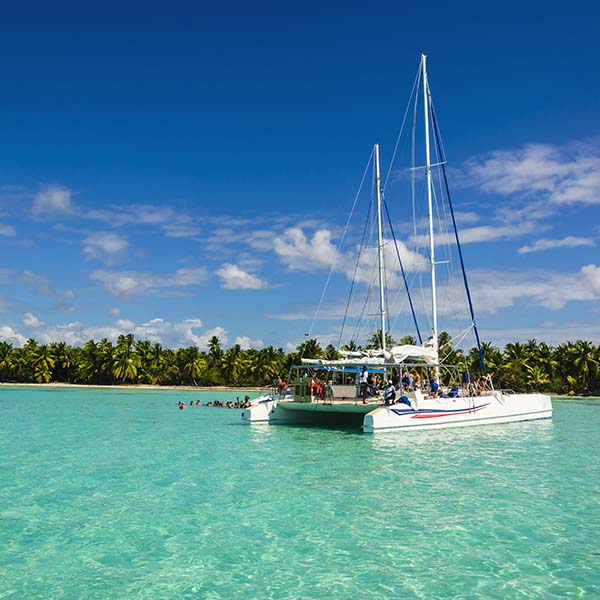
319 389
374 386
245 403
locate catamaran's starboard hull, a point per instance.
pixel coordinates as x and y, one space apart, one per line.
429 414
462 412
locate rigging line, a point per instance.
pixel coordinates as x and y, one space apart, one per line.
363 323
337 252
462 264
412 308
414 87
413 159
360 250
457 340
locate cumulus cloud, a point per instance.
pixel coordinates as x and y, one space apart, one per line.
104 246
52 200
568 174
246 343
549 289
300 253
567 242
177 334
8 334
234 278
128 283
30 320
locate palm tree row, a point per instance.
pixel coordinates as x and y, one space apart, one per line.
570 367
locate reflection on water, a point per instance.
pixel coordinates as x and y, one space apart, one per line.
463 437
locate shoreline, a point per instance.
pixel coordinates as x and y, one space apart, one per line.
191 388
139 386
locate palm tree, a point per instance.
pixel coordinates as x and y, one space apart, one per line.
536 377
214 350
232 364
585 361
331 353
125 361
349 347
106 358
310 349
42 362
6 349
194 364
374 342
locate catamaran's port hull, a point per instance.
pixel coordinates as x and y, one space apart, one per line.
431 414
306 413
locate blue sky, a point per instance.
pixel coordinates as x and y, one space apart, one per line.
186 170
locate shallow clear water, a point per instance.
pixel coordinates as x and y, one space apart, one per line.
117 494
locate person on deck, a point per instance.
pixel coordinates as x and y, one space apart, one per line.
364 384
389 393
281 385
434 388
466 380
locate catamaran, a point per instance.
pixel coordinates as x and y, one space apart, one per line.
416 389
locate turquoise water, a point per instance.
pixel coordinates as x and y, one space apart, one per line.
117 494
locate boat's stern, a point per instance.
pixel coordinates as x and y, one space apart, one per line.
260 410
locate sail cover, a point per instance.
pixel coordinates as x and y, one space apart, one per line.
410 353
397 354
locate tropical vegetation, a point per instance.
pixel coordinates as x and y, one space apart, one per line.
568 368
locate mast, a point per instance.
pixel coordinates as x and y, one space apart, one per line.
430 210
380 247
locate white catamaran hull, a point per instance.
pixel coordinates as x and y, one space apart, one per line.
428 414
460 412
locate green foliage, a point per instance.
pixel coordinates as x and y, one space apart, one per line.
570 367
374 342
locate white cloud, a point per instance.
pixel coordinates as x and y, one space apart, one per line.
302 254
7 230
261 239
30 320
127 283
234 278
171 334
52 200
8 334
175 230
104 246
245 342
495 290
591 274
115 312
567 174
547 244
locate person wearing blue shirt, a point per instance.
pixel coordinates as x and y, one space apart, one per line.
435 388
